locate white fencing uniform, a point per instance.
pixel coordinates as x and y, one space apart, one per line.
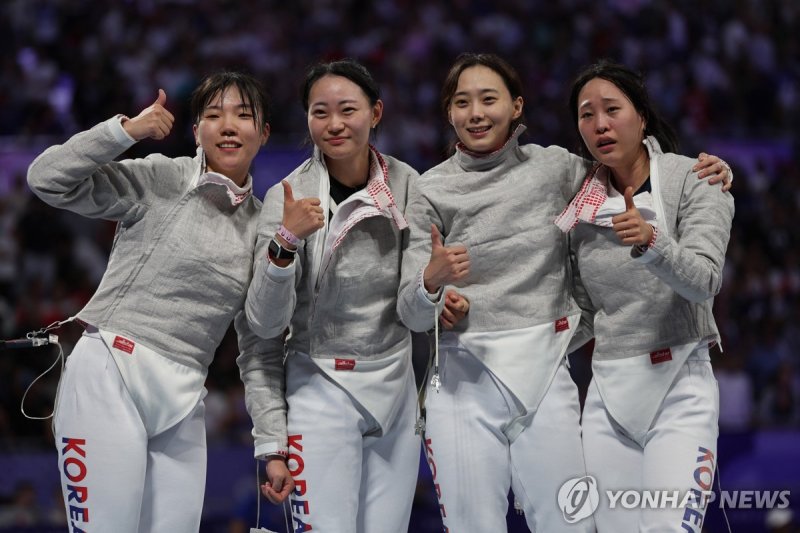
353 452
675 454
350 474
115 475
129 418
473 460
650 422
507 413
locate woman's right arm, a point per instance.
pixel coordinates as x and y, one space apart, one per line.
82 176
416 309
691 260
271 297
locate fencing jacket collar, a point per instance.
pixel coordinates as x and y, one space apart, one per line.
476 162
597 201
236 194
375 200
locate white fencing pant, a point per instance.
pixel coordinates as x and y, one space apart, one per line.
679 454
474 464
346 479
113 476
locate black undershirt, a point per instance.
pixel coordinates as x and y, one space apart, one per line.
341 192
645 187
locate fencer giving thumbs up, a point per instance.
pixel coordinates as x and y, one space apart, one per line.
349 381
176 278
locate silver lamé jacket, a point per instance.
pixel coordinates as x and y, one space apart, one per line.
351 310
664 297
181 260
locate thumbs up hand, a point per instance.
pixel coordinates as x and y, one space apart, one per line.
302 217
153 122
630 226
446 265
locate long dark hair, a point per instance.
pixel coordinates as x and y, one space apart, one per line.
632 85
253 94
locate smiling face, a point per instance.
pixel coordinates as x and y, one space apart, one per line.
482 109
611 127
340 117
229 136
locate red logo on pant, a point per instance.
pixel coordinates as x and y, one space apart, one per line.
562 324
660 356
345 364
74 470
121 343
298 499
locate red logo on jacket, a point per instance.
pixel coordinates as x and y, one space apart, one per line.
562 324
345 364
660 356
126 345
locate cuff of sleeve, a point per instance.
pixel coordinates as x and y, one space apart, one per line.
433 298
279 273
119 133
428 302
646 255
269 450
271 456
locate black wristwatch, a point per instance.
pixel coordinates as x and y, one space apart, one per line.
276 251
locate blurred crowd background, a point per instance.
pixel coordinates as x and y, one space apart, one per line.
726 74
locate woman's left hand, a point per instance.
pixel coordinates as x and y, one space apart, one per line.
715 169
630 226
279 482
455 309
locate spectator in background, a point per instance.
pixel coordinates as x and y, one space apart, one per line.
736 407
22 511
780 401
780 521
54 514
